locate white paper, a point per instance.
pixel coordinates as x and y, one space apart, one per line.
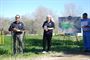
45 27
84 23
50 28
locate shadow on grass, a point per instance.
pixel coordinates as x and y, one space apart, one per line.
34 45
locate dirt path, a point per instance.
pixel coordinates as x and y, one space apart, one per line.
53 57
67 57
79 57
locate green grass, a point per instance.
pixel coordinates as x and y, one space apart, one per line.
33 45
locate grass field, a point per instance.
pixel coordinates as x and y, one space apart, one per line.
33 46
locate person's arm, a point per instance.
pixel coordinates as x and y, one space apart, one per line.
11 27
85 26
23 26
44 26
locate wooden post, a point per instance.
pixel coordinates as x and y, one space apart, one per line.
2 36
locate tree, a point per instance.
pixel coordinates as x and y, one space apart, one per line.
40 16
28 24
72 10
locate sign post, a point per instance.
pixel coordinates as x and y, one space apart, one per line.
2 37
1 33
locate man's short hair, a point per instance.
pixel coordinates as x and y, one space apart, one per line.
85 15
17 16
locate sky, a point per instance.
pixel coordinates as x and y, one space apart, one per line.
9 8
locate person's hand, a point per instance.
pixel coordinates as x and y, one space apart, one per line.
14 29
45 29
25 30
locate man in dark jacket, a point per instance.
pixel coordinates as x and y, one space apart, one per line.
17 29
85 24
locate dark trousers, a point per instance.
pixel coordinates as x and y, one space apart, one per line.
47 36
18 44
86 39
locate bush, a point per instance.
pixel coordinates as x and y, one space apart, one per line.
3 50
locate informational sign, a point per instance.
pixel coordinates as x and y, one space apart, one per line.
69 24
